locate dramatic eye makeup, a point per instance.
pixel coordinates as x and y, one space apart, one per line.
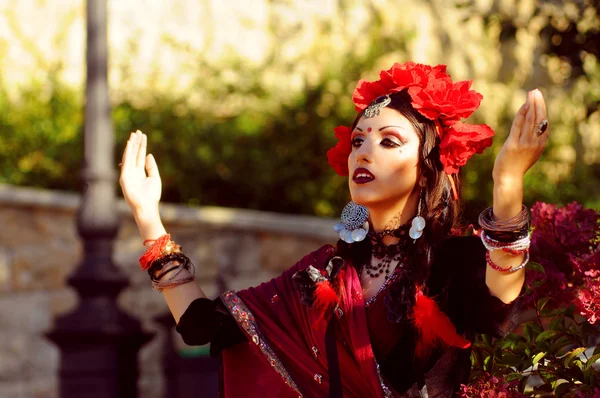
356 141
389 139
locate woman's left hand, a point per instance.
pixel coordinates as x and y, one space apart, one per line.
526 141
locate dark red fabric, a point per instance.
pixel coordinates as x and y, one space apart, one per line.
290 328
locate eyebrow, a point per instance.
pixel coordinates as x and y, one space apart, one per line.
385 127
382 128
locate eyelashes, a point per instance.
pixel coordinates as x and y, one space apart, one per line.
386 142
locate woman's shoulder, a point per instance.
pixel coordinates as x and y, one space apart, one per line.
317 258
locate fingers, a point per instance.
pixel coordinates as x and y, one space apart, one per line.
141 152
541 114
540 107
529 124
128 153
518 122
151 167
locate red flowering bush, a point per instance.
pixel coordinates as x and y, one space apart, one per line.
487 386
592 394
436 97
587 301
556 351
565 242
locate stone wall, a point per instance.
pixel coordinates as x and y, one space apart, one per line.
39 248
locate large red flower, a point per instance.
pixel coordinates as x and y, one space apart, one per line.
448 102
461 141
338 155
436 97
396 79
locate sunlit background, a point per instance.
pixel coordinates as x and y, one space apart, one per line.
239 99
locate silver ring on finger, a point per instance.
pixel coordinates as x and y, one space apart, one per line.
542 127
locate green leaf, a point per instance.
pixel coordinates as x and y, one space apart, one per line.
591 361
573 354
486 363
538 357
557 323
547 335
562 389
533 266
542 303
515 376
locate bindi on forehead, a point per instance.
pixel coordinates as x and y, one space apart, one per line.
369 130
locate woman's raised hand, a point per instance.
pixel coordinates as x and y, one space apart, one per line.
140 180
526 141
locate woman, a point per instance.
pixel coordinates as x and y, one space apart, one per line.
391 310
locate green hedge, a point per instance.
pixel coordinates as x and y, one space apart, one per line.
269 152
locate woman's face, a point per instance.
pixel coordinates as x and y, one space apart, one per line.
384 159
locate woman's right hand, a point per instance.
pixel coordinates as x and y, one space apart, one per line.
140 180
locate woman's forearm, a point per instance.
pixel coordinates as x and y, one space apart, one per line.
508 201
180 297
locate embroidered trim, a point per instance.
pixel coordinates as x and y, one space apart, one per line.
387 393
246 320
388 281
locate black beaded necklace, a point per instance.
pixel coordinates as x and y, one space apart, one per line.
386 253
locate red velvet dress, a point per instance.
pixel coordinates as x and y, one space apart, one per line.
272 345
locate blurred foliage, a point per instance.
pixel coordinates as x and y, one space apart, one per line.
255 135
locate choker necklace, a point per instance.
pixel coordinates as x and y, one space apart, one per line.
389 253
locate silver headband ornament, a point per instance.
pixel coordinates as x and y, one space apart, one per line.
376 106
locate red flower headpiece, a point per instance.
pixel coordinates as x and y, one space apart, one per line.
434 96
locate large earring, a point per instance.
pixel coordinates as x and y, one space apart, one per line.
355 224
418 223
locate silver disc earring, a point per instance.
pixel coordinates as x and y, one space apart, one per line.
418 223
355 224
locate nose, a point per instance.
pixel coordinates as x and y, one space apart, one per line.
364 152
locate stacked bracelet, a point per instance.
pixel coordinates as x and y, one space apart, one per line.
516 247
178 274
511 236
495 266
162 246
509 230
166 265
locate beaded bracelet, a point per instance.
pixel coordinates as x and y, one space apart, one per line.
515 247
495 266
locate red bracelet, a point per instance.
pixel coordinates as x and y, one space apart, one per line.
493 265
514 252
161 247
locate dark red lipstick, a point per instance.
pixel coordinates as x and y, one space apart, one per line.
362 176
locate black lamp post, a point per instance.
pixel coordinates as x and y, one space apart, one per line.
99 342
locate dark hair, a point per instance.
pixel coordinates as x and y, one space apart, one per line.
439 209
